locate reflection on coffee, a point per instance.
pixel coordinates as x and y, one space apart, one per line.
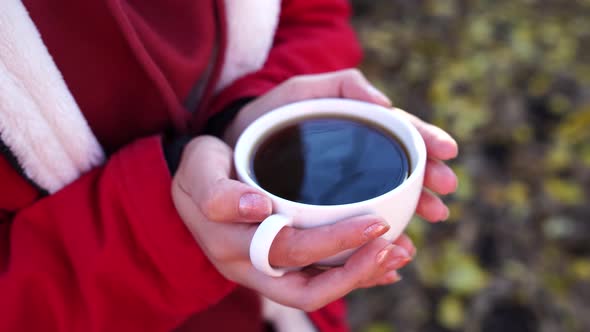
330 161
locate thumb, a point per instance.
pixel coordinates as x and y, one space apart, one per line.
230 201
205 176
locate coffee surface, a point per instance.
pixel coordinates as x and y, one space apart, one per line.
330 161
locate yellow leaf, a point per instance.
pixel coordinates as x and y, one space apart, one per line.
442 7
461 272
564 191
522 134
416 230
456 211
575 128
559 156
559 104
379 327
465 189
480 30
585 154
451 312
580 269
517 195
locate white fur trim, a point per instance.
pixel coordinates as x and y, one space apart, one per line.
286 319
39 119
251 26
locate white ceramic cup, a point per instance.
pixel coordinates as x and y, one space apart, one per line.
396 206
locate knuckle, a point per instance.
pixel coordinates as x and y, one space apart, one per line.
231 272
354 73
286 247
218 253
297 257
296 85
210 206
293 81
210 143
199 142
309 304
344 243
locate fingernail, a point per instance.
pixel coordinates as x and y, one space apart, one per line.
376 229
382 255
254 206
380 96
398 258
393 276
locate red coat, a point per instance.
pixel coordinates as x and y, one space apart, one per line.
108 252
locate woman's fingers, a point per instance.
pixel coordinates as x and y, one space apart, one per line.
301 247
388 278
439 177
439 144
369 263
405 242
431 207
348 83
407 251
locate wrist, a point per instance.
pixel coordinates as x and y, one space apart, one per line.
173 148
221 124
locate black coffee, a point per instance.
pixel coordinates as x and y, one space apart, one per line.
330 161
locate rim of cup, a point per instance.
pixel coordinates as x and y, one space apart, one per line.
251 138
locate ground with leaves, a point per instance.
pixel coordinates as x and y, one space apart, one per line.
511 81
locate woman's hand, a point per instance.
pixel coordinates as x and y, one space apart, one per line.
222 214
440 146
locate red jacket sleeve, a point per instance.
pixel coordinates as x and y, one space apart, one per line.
106 253
312 37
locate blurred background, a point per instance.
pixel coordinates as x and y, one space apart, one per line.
511 81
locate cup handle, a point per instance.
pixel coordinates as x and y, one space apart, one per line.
262 240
